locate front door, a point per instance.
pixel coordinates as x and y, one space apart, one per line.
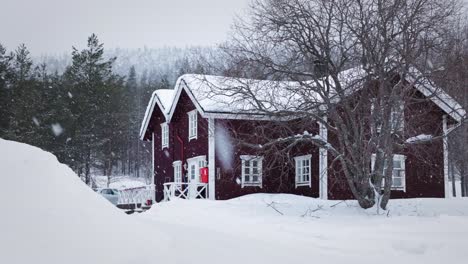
194 165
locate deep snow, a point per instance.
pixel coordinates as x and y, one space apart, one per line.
50 216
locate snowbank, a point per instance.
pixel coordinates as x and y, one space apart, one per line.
50 216
298 229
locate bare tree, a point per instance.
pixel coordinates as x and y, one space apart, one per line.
333 49
454 62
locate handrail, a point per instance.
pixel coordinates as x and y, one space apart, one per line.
139 195
184 190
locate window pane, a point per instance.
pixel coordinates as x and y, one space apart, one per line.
247 178
255 170
255 163
397 163
247 163
397 182
255 178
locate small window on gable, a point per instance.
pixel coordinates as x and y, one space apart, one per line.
303 168
398 173
164 135
251 170
193 124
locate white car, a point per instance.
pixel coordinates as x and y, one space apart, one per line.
110 194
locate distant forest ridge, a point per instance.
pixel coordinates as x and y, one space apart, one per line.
155 63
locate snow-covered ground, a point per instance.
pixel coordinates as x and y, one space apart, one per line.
119 182
50 216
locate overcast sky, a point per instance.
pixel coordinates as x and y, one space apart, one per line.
54 26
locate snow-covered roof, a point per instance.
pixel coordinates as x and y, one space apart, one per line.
240 98
437 95
163 98
226 95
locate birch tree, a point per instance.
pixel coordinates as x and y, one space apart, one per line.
334 49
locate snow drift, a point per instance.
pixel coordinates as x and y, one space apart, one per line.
50 216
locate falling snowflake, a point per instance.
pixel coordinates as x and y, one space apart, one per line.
36 122
57 129
70 95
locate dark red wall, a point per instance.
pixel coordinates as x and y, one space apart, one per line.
278 176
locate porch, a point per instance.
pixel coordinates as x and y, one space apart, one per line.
185 190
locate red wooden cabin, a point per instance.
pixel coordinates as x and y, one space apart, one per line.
191 130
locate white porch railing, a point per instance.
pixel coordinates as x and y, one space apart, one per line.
135 196
185 190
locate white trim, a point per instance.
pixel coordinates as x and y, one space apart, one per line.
149 112
193 124
211 159
181 85
297 160
447 189
402 159
153 170
196 158
437 95
259 160
164 135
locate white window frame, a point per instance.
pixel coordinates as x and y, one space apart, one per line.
193 124
402 171
251 159
164 135
299 170
177 171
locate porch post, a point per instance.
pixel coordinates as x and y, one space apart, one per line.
153 186
323 162
446 158
211 159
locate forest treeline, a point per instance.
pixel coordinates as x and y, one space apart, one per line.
89 116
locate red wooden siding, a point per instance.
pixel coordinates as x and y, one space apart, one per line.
279 178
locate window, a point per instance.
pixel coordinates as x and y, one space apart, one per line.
177 171
398 173
164 135
251 170
303 170
193 124
397 117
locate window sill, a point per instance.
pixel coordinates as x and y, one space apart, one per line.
303 184
251 185
192 138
